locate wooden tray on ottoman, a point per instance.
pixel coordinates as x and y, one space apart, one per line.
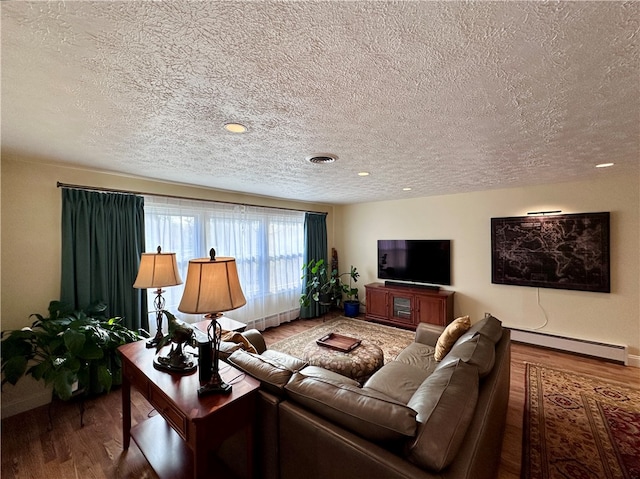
338 342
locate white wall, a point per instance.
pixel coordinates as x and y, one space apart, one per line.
31 242
465 219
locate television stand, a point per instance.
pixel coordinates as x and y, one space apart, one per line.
407 305
397 284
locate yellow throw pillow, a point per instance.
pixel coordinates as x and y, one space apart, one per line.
450 335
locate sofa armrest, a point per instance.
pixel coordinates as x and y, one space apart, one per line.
256 339
428 333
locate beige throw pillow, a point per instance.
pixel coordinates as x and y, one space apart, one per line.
450 335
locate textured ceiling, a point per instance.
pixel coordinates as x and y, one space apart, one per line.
441 97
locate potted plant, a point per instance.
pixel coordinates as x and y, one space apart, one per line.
322 284
351 304
326 287
70 350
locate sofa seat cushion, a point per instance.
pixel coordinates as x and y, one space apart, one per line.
445 403
419 355
272 368
478 351
398 380
363 411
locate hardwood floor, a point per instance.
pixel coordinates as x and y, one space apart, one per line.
31 450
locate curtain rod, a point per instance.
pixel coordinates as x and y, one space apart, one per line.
115 190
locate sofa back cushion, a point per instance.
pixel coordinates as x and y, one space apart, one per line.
490 327
285 360
272 368
318 372
478 351
368 413
445 403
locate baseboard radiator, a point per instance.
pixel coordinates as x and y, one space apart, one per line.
611 352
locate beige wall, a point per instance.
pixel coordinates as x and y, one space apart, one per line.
30 259
465 219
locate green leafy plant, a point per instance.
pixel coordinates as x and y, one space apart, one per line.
66 348
326 286
350 292
322 283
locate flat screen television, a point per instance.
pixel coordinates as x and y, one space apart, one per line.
419 261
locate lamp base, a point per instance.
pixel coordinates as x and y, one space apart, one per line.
153 342
159 305
214 386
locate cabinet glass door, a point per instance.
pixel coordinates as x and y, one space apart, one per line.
402 308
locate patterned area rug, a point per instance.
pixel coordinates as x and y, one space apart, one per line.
579 427
391 340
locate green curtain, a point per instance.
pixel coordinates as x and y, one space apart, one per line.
315 234
102 241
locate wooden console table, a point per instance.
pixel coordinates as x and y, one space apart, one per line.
177 441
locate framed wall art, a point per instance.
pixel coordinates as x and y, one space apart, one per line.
566 251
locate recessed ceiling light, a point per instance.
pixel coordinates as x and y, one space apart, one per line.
604 165
363 173
322 158
235 127
406 189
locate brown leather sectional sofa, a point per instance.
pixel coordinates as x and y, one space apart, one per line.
414 418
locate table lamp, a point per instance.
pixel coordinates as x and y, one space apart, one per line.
157 270
212 287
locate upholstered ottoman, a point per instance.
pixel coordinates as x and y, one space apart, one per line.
358 364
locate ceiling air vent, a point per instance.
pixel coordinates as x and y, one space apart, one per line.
322 159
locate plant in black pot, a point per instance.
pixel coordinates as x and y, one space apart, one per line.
351 304
322 284
69 350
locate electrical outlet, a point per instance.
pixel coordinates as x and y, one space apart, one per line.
486 315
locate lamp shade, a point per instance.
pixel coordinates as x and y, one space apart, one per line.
212 286
157 270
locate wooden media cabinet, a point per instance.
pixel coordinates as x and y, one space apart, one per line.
407 306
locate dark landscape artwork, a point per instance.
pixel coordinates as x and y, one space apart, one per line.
569 251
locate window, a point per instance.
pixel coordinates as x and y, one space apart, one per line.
267 244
